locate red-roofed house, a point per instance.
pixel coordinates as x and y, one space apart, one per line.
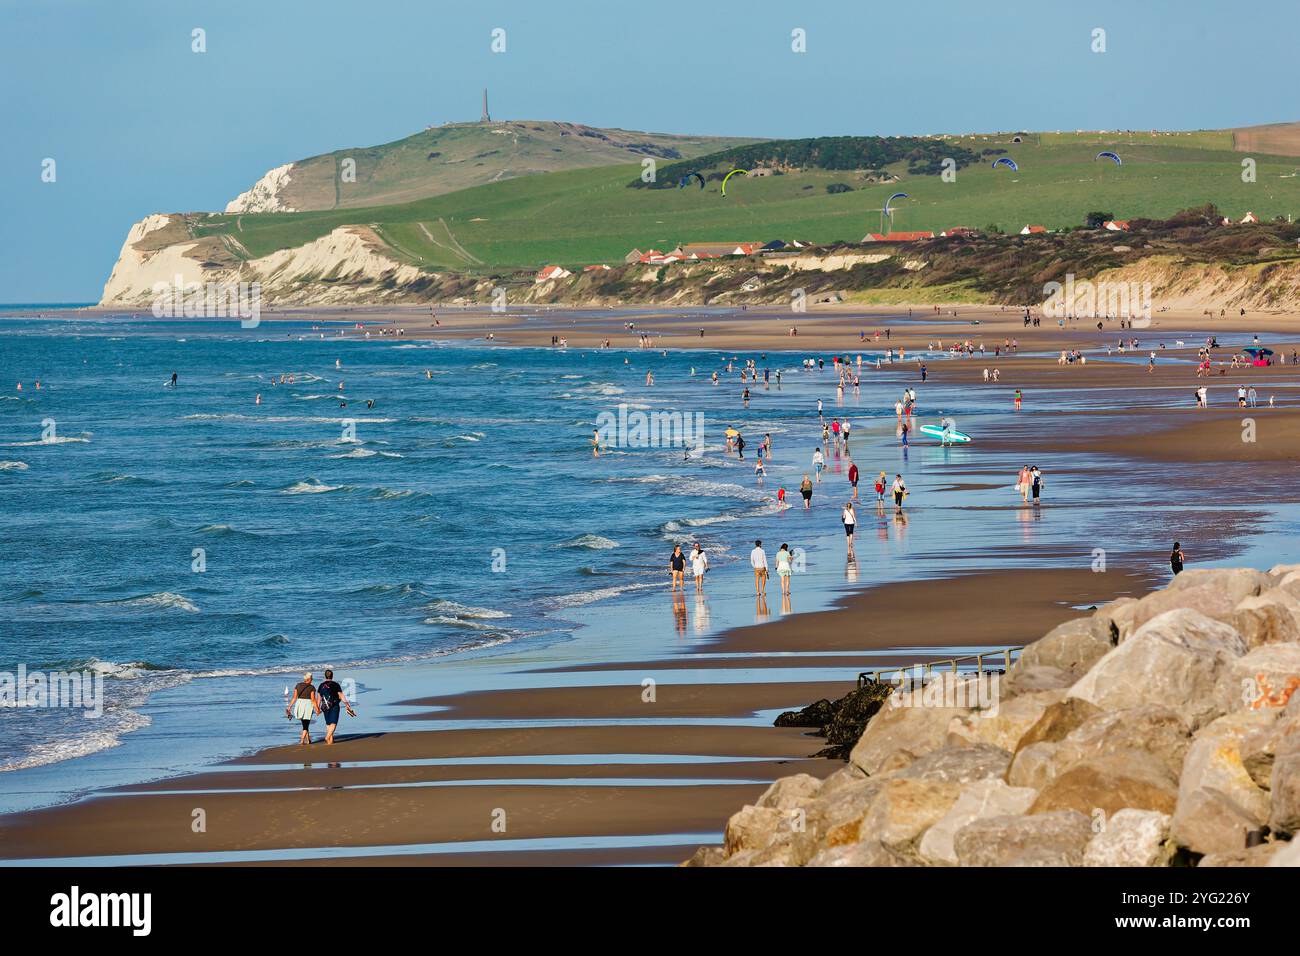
956 231
1033 230
897 236
552 272
1117 225
1249 219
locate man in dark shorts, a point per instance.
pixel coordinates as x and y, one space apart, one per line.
331 697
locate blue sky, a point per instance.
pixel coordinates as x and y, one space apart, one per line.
137 123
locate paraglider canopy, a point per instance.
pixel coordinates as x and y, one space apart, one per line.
687 178
743 172
1006 161
890 212
1107 154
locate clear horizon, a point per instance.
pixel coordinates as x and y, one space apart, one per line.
138 123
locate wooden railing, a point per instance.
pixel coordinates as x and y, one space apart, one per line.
873 677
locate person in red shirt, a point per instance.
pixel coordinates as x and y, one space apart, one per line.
853 479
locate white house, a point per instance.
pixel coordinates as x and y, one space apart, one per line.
551 272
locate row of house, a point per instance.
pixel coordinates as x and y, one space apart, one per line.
695 251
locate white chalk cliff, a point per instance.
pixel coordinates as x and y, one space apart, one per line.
347 264
264 196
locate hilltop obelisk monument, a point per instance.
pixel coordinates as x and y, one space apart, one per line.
487 117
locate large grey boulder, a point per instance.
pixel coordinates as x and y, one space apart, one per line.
1270 617
962 764
787 793
1046 839
1034 766
1174 660
1058 721
1218 802
1003 726
836 818
1267 677
869 852
1209 600
847 776
1027 680
1284 780
1152 729
1110 783
981 799
1072 647
1130 837
912 723
1237 582
905 809
753 828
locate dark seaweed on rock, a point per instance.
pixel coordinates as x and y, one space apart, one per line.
842 721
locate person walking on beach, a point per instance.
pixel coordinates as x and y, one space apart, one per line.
303 706
783 569
1022 483
1035 483
818 463
850 520
1176 559
758 561
853 478
903 432
806 489
900 493
881 481
332 697
699 564
1018 399
677 565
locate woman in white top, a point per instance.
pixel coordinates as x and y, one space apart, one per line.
783 569
699 564
850 519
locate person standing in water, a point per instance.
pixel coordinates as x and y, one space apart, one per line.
758 561
850 520
677 565
332 697
806 489
783 569
699 564
304 705
853 478
900 492
1176 559
818 463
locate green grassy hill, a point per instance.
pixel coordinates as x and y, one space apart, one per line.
456 156
592 215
